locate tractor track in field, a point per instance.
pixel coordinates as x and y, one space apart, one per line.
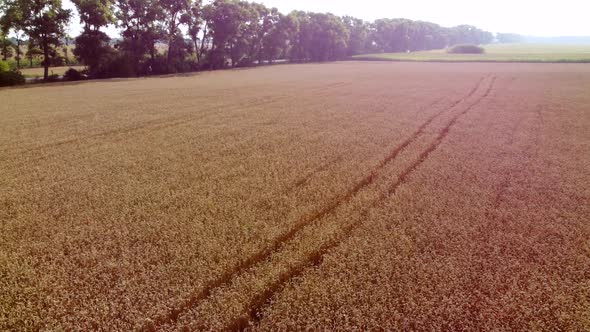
173 315
304 180
257 305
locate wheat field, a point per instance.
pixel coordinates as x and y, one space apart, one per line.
342 196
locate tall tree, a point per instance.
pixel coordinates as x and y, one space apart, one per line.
224 20
95 14
43 21
175 13
468 34
11 21
139 20
33 51
92 45
359 31
19 35
6 47
278 39
194 21
301 38
319 37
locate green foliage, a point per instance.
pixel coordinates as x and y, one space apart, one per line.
4 66
467 34
175 13
10 78
319 37
221 33
33 53
73 75
91 47
359 33
43 21
52 78
275 43
402 35
115 64
58 61
466 49
95 14
6 47
226 21
141 31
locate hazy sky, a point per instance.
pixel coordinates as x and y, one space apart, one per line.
527 17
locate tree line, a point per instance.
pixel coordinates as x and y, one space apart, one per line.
169 36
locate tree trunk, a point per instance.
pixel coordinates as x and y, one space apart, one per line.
260 56
202 49
197 53
169 57
45 60
171 31
18 53
231 55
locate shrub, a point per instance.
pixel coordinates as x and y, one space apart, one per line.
73 75
192 64
58 61
466 49
113 65
160 66
52 78
157 66
4 66
10 78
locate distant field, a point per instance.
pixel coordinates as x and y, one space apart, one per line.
38 72
352 196
37 61
497 53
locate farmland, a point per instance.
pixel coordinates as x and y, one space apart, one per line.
340 196
568 53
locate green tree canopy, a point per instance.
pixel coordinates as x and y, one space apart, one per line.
44 21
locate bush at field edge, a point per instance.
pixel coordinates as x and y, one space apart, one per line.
73 75
466 49
10 78
4 66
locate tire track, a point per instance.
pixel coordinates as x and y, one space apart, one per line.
306 178
264 254
257 305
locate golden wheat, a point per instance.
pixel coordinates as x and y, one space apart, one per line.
339 196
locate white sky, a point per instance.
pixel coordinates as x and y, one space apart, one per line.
526 17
